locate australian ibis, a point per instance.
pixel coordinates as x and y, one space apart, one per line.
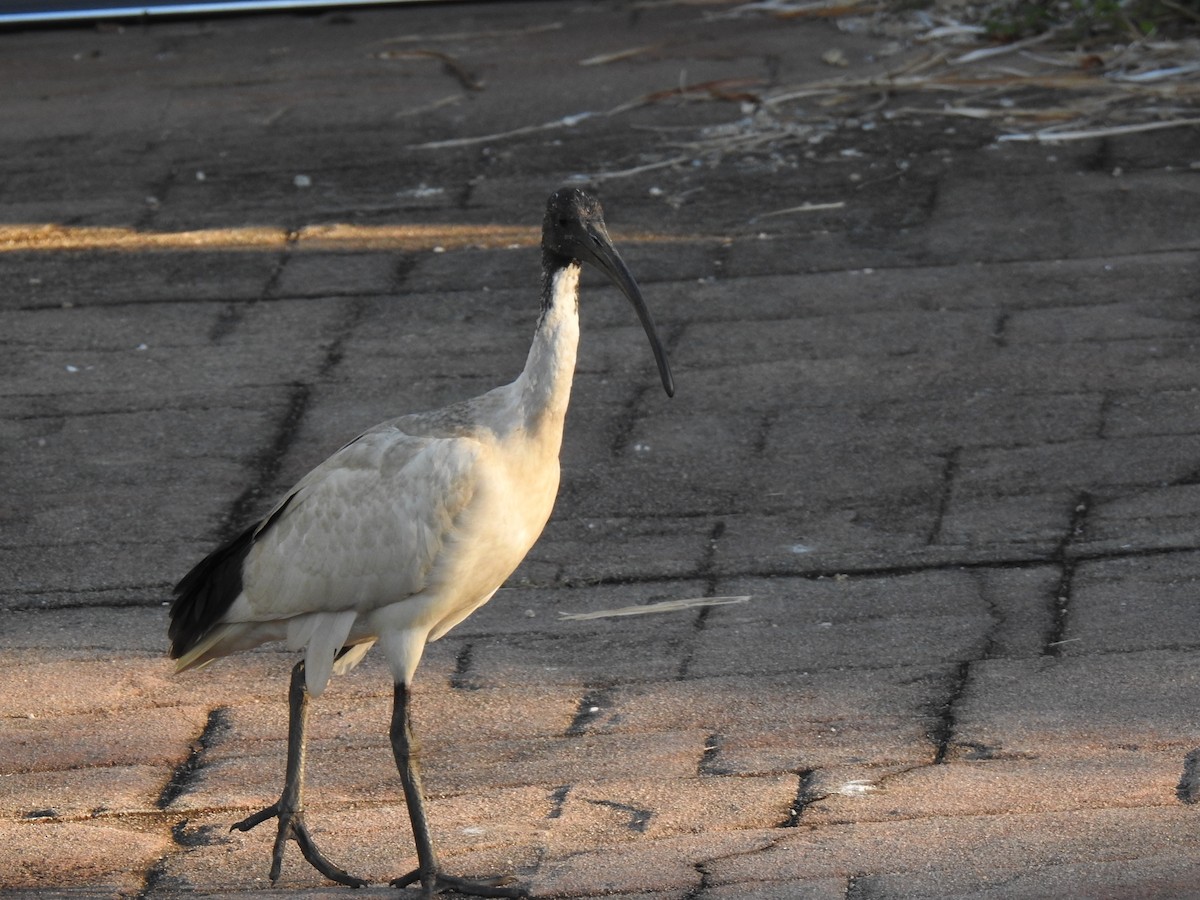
402 534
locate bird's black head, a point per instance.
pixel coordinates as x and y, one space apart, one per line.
572 227
574 231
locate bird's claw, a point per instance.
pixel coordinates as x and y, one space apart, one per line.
501 886
291 825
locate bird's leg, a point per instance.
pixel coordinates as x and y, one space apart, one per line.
289 808
428 872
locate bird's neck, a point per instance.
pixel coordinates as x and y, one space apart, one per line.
545 384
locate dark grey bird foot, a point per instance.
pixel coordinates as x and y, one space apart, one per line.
291 825
502 886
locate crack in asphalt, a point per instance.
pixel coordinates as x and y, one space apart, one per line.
187 772
1067 563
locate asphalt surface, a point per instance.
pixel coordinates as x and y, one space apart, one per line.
925 505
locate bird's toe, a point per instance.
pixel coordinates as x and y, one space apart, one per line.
292 826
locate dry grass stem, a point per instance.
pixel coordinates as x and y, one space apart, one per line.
1055 136
652 608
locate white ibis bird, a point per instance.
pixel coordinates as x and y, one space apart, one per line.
401 535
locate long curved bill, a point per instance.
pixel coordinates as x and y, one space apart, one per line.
605 257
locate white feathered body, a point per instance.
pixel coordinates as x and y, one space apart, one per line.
409 528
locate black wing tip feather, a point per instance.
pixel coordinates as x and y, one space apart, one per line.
205 593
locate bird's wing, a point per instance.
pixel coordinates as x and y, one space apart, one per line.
360 530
